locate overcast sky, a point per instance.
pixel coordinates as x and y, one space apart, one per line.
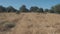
40 3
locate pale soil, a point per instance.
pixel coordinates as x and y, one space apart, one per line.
33 23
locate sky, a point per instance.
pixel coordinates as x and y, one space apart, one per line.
46 4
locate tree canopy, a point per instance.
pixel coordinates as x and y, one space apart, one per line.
56 8
53 9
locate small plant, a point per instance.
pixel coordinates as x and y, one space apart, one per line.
5 26
9 25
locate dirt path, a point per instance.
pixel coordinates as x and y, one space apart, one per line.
17 25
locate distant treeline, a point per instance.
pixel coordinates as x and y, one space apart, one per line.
53 9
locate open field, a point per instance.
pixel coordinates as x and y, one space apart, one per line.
32 23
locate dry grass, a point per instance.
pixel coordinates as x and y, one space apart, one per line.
33 23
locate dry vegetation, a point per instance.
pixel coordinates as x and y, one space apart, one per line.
32 23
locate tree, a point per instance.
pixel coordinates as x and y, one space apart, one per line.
11 9
34 9
23 9
40 10
2 9
51 11
46 10
56 8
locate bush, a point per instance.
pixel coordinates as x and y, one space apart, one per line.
17 12
9 25
5 26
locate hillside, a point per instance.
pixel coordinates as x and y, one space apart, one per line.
33 23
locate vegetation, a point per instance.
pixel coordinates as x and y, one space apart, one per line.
2 9
34 9
54 9
23 9
4 26
10 9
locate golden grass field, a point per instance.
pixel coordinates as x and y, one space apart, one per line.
32 23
